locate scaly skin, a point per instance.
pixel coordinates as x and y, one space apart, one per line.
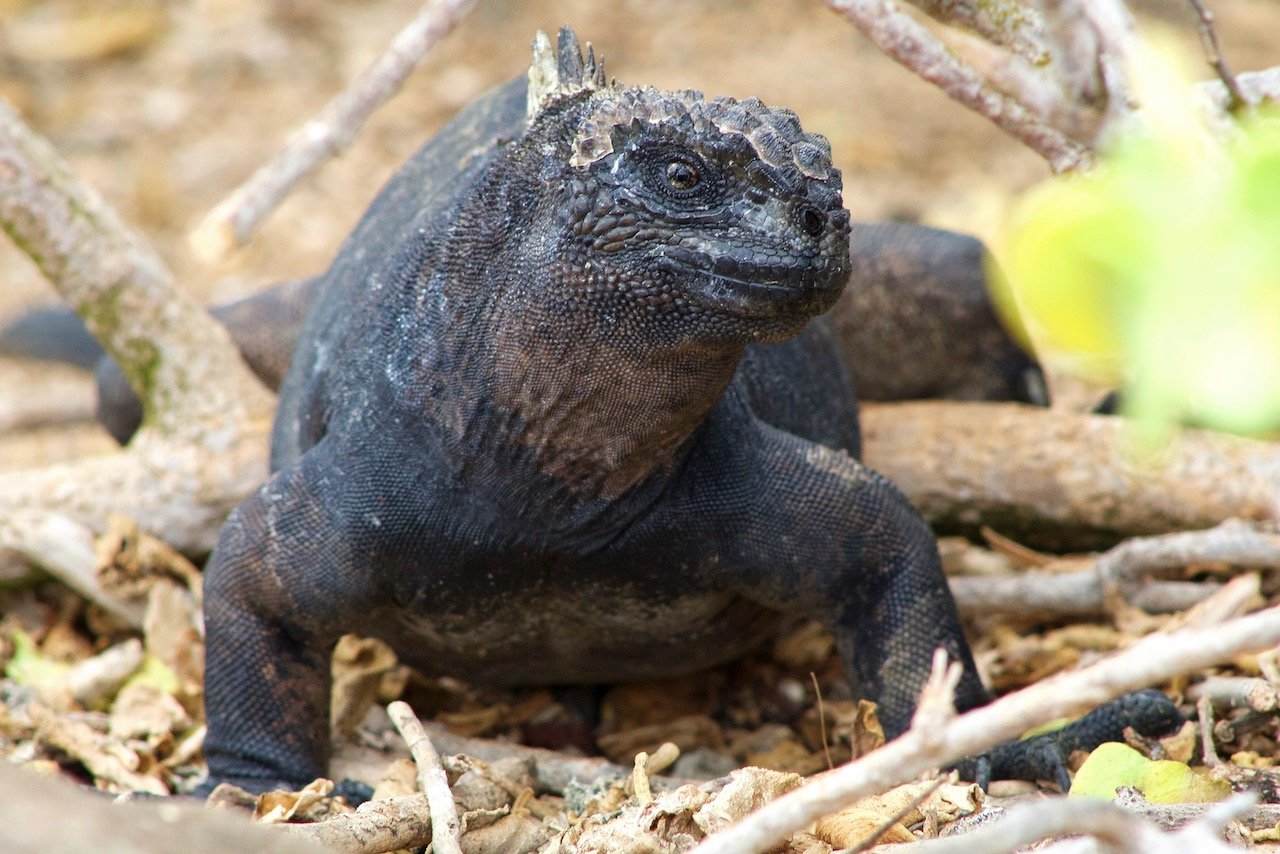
529 435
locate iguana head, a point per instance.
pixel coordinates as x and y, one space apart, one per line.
724 213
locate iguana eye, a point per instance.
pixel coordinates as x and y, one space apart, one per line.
682 176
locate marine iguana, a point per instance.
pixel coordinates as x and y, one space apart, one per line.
531 432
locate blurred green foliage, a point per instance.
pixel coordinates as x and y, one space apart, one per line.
1160 268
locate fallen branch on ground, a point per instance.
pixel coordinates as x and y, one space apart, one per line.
40 812
1064 478
203 445
933 743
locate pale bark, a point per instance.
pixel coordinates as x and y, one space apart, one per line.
432 780
182 363
391 824
913 45
1064 478
40 812
203 446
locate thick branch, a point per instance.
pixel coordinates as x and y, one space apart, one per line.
236 218
1015 25
190 377
203 448
1064 478
40 812
1150 661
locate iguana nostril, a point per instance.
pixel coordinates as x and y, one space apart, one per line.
811 220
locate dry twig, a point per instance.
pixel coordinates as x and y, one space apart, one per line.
237 217
445 827
1213 53
933 741
1237 692
1085 591
911 44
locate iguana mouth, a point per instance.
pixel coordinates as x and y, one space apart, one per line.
773 283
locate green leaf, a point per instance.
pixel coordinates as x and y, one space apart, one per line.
1113 764
32 668
154 673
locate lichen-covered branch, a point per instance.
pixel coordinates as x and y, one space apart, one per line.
203 445
183 365
236 218
1062 478
1011 24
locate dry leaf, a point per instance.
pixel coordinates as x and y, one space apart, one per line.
400 778
279 806
514 833
359 666
633 705
789 755
173 628
853 825
748 789
865 732
686 733
805 648
147 714
856 826
474 722
128 561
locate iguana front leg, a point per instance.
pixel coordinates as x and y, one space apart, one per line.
812 530
281 585
821 533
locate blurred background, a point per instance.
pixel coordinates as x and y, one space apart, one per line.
165 106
